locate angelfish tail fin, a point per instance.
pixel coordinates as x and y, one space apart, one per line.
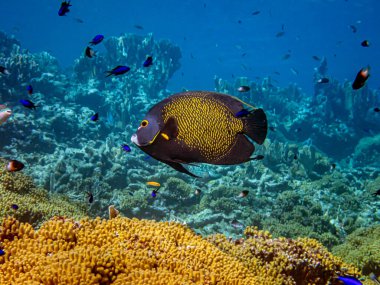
256 125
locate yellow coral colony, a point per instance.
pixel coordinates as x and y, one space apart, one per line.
130 251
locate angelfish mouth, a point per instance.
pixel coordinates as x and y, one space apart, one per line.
135 140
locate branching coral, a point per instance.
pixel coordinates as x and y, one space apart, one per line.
131 251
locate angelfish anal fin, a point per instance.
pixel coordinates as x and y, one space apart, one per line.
179 167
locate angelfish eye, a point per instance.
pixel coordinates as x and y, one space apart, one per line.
144 123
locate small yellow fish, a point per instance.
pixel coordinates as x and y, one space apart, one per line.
152 183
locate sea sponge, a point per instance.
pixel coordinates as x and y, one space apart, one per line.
131 251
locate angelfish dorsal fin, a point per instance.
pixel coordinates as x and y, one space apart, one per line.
170 130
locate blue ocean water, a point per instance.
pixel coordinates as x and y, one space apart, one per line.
220 38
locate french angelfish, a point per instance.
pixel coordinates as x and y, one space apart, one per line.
200 126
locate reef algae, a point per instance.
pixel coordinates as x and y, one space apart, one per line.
132 251
362 248
34 205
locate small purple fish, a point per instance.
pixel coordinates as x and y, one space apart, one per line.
348 280
97 40
126 148
2 252
29 88
28 104
242 113
95 117
154 193
118 70
64 9
14 207
148 62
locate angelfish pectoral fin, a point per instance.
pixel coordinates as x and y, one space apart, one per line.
179 167
170 130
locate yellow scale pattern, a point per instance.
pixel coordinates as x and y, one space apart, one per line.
204 124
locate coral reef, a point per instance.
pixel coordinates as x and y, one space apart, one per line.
294 191
125 97
335 118
362 248
131 251
35 205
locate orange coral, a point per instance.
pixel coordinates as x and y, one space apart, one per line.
131 251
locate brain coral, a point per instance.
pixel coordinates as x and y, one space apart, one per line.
35 205
131 251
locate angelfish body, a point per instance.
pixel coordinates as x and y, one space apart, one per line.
200 126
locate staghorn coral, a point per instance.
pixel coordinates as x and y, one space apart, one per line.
362 248
35 204
131 251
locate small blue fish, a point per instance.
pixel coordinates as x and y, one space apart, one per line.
148 62
118 70
14 207
29 88
242 113
28 104
154 193
348 280
95 117
2 252
126 148
97 40
64 9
